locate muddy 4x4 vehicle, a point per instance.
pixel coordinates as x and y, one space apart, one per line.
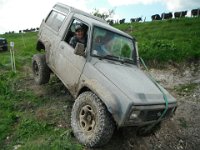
103 76
3 44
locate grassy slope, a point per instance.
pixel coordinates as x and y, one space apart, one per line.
174 40
20 124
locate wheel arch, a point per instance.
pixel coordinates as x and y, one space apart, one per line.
40 46
82 90
107 98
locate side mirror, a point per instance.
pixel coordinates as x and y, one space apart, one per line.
79 49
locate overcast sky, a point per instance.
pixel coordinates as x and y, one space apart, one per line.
22 14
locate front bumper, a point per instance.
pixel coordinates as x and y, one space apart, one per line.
143 115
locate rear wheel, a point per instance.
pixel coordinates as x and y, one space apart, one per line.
92 124
41 71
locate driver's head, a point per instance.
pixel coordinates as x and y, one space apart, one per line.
79 31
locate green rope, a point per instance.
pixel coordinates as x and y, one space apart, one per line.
164 96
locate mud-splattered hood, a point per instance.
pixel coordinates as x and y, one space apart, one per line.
133 83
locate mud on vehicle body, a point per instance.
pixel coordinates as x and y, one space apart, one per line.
105 78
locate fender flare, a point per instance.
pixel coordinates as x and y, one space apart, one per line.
110 100
40 46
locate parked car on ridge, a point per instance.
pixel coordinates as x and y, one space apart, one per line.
3 44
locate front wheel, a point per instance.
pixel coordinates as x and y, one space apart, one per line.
91 123
41 71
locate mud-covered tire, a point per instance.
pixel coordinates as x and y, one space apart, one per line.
91 122
41 71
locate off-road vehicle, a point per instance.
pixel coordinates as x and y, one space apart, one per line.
104 77
3 44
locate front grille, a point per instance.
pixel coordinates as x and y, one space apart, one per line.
150 115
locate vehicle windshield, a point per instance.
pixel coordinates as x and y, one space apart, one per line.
110 45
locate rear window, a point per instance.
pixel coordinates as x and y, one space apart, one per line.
55 20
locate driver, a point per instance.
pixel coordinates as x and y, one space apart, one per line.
79 37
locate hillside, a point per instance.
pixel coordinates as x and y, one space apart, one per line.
175 40
38 117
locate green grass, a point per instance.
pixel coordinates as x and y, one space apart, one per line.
32 121
175 40
24 49
29 120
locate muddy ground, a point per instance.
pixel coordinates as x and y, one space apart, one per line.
182 132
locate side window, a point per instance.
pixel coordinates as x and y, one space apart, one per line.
50 18
77 32
55 20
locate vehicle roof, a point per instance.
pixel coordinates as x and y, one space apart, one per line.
91 20
62 7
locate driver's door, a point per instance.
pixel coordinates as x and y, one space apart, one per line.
69 66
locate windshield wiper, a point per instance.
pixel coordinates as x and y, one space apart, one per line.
122 60
111 57
127 60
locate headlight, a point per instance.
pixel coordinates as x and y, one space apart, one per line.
134 115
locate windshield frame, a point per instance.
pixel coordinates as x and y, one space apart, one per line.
122 60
